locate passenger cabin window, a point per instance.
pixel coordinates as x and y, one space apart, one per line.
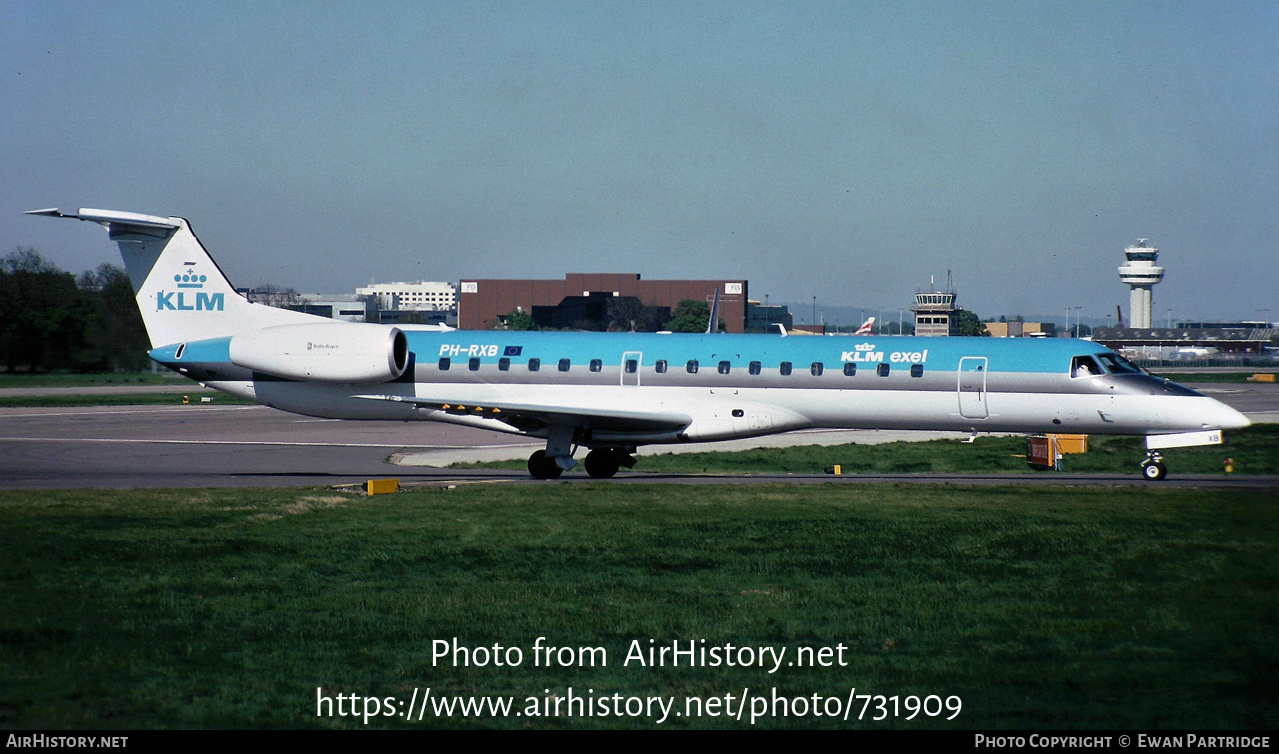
1084 366
565 364
534 364
659 366
724 367
444 364
473 364
784 368
816 369
916 370
596 365
691 366
755 367
504 364
850 369
882 370
632 366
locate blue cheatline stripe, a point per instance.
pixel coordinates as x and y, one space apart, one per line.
1050 356
1005 355
212 351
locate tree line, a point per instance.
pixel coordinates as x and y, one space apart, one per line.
53 320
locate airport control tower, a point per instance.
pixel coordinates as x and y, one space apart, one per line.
1141 273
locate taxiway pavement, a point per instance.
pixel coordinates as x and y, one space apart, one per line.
211 445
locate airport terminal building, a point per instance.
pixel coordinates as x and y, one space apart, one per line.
1188 338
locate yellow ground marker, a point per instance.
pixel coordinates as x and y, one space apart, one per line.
382 486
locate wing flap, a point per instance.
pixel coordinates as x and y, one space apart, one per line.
527 417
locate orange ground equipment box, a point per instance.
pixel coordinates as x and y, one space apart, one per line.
1044 452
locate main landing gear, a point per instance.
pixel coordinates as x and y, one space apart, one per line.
601 463
1153 468
542 466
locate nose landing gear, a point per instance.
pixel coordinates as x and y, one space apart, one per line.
1153 468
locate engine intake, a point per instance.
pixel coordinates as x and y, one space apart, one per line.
328 352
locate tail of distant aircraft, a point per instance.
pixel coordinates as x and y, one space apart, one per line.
181 291
712 322
867 328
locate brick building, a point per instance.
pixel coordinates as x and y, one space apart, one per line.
483 304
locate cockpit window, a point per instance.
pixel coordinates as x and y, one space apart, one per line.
1116 364
1101 363
1084 366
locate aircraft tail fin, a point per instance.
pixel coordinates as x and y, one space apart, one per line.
181 291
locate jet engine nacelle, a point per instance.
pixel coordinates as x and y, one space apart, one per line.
327 352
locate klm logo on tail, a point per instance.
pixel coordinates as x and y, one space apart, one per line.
187 281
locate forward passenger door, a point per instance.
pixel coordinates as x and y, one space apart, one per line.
972 387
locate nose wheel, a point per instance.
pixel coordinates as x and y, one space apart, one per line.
1153 468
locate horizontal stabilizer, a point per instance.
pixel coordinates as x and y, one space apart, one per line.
111 217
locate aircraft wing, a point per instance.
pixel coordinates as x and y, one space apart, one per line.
530 417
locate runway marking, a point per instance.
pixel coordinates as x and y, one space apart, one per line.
250 442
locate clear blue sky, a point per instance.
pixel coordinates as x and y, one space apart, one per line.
846 150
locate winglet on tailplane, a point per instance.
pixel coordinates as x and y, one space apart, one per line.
181 291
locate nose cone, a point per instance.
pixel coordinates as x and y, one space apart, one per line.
1221 416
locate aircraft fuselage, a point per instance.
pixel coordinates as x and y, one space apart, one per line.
743 385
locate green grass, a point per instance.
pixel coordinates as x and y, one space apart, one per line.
1141 607
126 399
1255 450
89 379
1229 377
103 379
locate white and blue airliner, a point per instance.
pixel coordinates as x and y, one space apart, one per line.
612 392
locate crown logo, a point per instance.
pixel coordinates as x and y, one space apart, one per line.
190 279
864 347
